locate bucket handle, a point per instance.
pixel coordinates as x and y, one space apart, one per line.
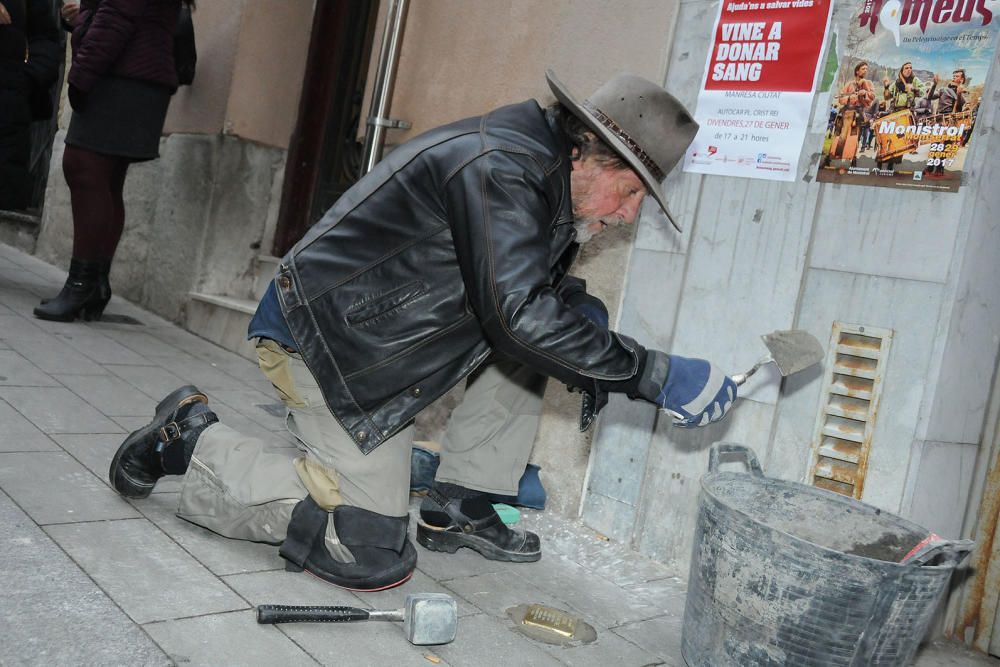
720 449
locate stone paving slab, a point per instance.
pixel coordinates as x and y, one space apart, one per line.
17 434
93 451
109 394
46 350
598 600
147 574
607 649
107 581
134 338
232 639
195 371
660 636
486 641
53 612
57 410
18 300
52 487
17 371
153 381
100 348
497 592
361 643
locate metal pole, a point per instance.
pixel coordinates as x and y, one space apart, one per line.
385 77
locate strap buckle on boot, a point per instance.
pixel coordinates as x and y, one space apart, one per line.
170 432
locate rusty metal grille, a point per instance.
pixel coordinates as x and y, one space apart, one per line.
853 385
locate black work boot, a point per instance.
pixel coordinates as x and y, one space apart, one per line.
374 550
82 295
162 447
453 516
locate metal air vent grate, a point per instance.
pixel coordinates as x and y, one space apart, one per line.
854 369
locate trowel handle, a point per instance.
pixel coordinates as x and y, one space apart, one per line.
283 613
740 378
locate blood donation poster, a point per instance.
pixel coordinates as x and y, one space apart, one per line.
908 92
754 105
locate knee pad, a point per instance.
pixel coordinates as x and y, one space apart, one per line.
383 554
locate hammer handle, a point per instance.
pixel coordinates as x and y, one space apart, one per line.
282 613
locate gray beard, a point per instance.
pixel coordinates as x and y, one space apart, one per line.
583 231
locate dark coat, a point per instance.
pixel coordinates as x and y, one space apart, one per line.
127 38
33 31
453 248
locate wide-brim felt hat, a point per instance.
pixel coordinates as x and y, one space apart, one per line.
644 124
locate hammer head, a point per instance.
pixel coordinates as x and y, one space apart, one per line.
430 618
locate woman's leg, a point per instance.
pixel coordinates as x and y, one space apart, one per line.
95 181
117 219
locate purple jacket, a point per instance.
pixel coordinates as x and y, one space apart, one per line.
128 38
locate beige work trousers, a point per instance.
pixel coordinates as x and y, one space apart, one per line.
245 488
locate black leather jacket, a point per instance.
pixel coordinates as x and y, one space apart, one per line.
454 247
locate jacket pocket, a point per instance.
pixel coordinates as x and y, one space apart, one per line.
370 311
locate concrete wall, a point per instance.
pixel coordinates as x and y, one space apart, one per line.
201 108
194 220
269 71
758 256
460 58
251 62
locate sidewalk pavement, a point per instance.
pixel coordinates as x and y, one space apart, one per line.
89 578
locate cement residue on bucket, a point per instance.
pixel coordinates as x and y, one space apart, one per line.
817 516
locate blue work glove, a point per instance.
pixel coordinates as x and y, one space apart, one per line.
592 308
695 392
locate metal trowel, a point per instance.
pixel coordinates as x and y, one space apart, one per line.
791 351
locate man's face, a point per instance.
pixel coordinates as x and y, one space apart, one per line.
603 196
863 71
907 69
957 78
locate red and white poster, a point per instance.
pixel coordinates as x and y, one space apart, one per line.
754 106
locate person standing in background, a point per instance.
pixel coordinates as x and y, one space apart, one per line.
120 83
29 65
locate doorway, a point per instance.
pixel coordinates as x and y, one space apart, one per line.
325 155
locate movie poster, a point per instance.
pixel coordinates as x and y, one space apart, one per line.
754 105
907 93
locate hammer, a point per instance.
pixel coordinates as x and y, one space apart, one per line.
428 618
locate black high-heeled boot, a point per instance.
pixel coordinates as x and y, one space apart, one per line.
104 282
81 295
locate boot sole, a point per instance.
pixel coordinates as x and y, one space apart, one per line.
447 541
91 312
404 571
289 567
176 399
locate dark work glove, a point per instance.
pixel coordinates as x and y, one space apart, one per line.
77 98
694 391
594 310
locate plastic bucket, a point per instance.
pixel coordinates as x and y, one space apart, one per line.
788 574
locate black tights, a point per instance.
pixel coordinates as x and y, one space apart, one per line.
96 182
